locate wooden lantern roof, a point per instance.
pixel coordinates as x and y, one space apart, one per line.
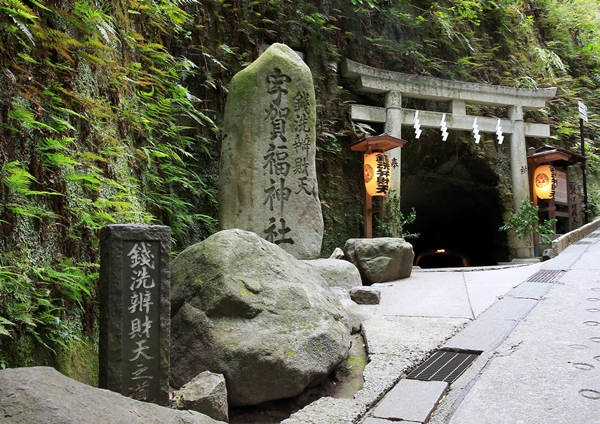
383 142
548 154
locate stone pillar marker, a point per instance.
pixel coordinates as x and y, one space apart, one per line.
267 179
135 311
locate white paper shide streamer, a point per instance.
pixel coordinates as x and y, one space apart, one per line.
417 125
444 128
499 132
476 131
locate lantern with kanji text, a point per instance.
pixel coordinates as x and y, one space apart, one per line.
377 173
544 181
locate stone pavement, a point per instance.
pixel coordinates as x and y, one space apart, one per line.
469 309
547 370
539 342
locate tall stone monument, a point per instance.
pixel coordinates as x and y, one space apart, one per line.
135 311
267 180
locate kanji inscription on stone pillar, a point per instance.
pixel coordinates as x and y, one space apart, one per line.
135 311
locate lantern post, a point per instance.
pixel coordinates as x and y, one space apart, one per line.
583 117
548 167
544 182
544 187
376 172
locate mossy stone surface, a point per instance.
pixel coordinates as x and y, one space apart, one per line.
266 321
79 361
267 179
380 259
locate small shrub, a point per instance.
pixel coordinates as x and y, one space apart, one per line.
393 221
526 222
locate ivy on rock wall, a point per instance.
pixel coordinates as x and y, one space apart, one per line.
97 128
110 114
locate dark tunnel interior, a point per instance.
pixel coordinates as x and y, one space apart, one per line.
457 203
457 222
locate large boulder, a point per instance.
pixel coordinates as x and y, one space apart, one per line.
245 308
268 179
337 272
380 259
43 395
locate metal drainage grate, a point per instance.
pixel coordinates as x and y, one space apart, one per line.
583 242
593 235
443 366
545 276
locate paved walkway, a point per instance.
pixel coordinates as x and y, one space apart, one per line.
539 342
537 327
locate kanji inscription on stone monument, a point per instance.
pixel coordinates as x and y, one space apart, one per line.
267 179
135 311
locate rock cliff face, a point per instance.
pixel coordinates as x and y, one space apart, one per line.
245 308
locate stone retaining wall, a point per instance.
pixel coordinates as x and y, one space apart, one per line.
561 243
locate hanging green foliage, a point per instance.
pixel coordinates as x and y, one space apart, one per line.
110 112
97 129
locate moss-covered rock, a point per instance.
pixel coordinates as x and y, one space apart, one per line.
79 360
245 308
380 259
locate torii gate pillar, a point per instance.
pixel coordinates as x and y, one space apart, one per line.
519 172
393 127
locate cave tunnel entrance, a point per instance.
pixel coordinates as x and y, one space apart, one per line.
457 221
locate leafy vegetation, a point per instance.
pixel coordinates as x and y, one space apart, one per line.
526 222
97 129
110 114
393 222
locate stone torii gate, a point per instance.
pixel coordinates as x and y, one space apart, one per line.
396 85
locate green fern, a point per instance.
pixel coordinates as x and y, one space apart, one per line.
17 178
21 15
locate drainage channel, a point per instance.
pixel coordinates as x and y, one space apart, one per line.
414 398
444 365
418 396
545 276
